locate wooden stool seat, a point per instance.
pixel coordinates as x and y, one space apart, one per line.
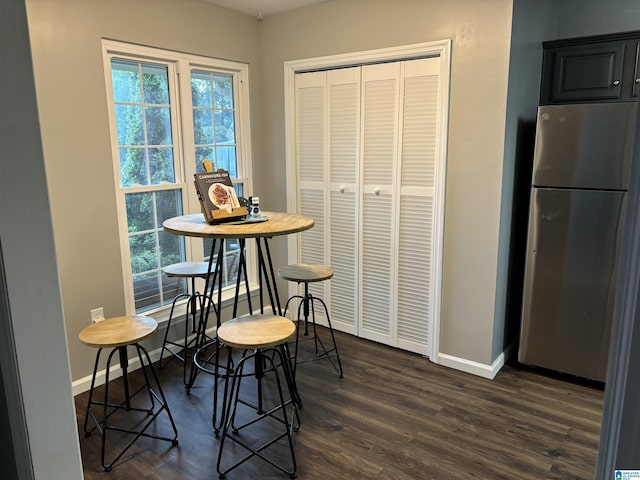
256 331
263 339
187 269
305 273
118 333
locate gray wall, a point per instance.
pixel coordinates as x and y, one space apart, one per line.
34 304
577 18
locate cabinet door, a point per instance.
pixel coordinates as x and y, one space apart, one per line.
380 98
583 72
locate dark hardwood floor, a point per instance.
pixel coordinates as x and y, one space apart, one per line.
394 415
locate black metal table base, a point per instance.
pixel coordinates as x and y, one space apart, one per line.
108 409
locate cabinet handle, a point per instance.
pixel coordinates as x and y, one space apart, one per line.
616 83
377 190
638 80
342 188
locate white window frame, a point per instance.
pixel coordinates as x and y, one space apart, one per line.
179 66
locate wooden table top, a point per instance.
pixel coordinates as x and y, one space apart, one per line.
278 223
118 331
256 331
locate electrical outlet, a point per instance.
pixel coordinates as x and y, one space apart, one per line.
97 314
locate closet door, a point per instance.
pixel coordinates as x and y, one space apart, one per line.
367 144
312 161
343 92
328 141
380 100
415 260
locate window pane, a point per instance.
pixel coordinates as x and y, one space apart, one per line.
201 154
158 125
171 250
201 89
161 165
130 125
202 127
140 211
155 85
143 252
172 287
133 168
226 158
169 204
146 292
126 81
223 91
225 129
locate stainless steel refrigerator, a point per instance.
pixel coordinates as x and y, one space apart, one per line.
581 169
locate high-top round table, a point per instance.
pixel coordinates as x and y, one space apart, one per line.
277 224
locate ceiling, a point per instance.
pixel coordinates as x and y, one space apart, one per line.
263 7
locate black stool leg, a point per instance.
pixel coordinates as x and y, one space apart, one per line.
333 337
306 310
88 413
109 409
231 410
166 333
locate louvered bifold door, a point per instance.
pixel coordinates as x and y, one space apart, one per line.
344 145
380 150
414 264
312 164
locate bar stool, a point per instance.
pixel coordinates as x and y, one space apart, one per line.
119 333
265 336
189 270
306 273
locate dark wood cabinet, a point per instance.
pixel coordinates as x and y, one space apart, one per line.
602 68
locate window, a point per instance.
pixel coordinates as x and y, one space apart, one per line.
168 112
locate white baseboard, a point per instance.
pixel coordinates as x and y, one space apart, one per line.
476 368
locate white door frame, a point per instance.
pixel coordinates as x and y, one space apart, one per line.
441 49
